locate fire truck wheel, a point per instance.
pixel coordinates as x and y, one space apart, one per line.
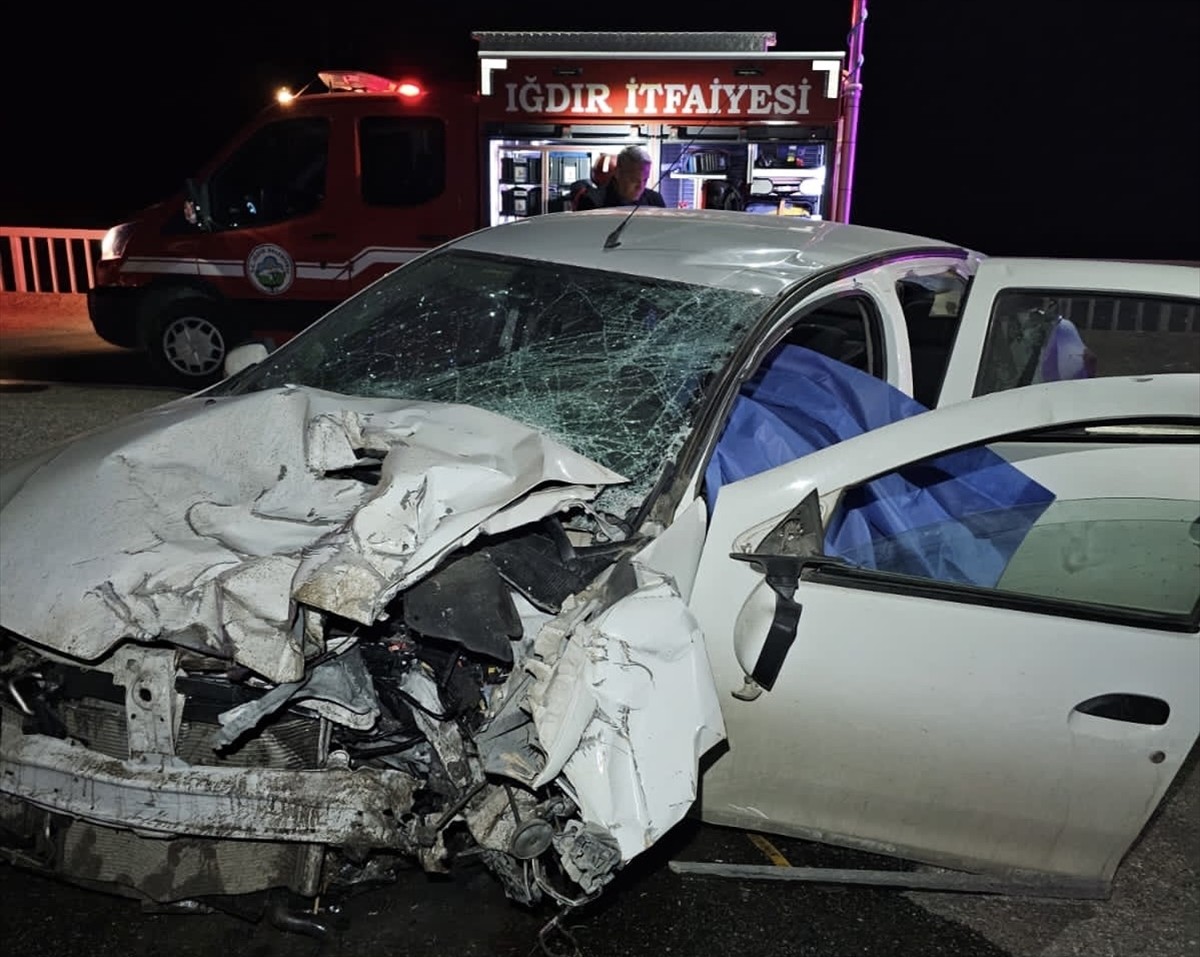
187 336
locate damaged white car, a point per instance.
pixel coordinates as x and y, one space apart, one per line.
490 558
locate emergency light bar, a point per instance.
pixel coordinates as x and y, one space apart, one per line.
354 81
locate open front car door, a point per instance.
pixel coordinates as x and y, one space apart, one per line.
967 638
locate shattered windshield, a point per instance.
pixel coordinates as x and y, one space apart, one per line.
610 364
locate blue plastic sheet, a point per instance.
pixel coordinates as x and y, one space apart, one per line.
956 518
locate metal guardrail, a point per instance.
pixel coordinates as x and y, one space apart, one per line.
1118 312
34 259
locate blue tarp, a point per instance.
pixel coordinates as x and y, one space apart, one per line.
957 518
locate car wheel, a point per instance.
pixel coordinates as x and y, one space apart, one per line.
187 338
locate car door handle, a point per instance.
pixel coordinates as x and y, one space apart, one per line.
1132 708
323 236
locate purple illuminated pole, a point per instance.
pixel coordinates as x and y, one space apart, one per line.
851 94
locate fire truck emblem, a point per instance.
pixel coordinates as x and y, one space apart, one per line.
270 269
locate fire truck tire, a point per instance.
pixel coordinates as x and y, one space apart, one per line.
187 336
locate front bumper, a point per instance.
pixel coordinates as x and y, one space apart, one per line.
338 807
113 311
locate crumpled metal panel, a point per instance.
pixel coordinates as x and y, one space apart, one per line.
339 689
202 523
457 471
624 708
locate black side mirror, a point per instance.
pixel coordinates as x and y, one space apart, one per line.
781 556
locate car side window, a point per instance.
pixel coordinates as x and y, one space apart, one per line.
845 329
1034 531
794 401
277 174
403 160
1047 335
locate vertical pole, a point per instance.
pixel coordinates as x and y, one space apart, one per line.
92 248
17 245
70 244
34 267
52 251
851 95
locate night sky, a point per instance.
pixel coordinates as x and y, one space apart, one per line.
1056 127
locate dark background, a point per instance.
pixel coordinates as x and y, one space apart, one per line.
1058 127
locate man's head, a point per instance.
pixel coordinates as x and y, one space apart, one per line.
633 172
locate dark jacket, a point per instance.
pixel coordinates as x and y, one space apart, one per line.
596 198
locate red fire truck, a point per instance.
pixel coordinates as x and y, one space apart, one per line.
326 190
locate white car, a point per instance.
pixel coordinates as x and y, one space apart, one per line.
489 558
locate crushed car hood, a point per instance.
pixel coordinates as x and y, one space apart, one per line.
208 522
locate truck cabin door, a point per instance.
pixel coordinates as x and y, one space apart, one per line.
273 215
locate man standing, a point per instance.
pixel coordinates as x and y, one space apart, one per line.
628 184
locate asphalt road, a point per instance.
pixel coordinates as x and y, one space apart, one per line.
58 380
49 338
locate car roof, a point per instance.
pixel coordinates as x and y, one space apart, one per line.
734 250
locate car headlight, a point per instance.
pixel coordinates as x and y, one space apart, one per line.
112 246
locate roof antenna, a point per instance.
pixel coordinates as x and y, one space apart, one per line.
613 239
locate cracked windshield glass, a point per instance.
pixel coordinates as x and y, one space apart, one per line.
610 364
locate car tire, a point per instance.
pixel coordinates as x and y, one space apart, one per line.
187 336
